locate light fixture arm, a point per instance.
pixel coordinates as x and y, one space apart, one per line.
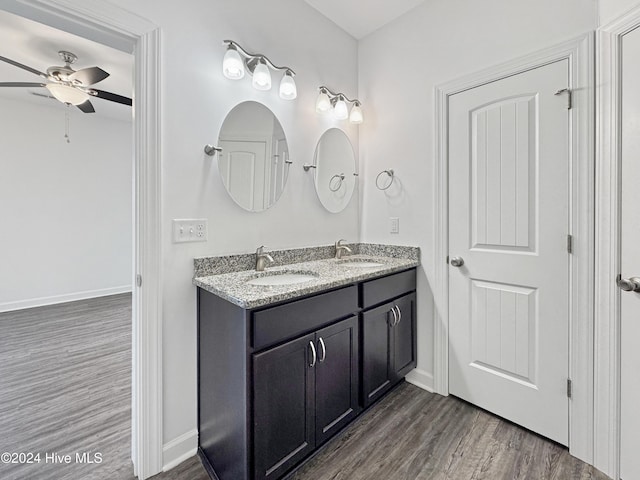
256 57
333 95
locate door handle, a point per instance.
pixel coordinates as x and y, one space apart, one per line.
395 317
324 350
399 313
629 284
313 353
457 261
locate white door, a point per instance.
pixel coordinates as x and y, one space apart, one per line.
630 259
508 222
244 170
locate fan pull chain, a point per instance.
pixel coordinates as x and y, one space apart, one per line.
66 125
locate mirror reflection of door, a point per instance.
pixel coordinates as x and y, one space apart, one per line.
243 167
254 161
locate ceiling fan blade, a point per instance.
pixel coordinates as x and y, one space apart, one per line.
21 84
86 107
89 76
112 97
24 67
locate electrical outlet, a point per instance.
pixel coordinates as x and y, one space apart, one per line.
394 225
189 230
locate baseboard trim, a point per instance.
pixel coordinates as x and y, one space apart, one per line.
421 379
179 449
69 297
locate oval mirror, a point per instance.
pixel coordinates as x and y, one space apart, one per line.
254 163
335 170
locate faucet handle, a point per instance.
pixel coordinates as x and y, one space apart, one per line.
260 250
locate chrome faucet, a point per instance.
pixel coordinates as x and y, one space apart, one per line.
262 259
340 248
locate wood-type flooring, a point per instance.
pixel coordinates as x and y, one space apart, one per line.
65 388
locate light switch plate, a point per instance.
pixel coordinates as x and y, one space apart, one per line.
394 225
189 230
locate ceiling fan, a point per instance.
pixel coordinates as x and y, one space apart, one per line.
73 87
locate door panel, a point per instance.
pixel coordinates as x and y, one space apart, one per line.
503 161
630 259
376 337
509 220
284 407
337 379
404 346
244 170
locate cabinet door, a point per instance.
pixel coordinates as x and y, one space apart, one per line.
337 377
404 339
376 349
283 406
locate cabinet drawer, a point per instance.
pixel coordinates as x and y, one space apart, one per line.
382 289
276 324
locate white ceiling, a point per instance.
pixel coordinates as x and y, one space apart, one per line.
361 17
37 45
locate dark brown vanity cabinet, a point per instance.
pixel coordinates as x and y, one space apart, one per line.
276 382
304 391
388 335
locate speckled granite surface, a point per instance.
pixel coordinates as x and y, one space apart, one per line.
205 266
327 273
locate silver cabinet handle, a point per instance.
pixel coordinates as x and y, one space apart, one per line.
399 314
395 317
457 261
313 352
324 350
629 284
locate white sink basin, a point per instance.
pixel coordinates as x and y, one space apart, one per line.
282 279
361 263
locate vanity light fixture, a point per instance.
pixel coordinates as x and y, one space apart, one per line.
237 60
338 101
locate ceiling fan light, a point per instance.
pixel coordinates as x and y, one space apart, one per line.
288 90
262 76
67 94
232 64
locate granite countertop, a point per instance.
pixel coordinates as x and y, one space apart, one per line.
328 273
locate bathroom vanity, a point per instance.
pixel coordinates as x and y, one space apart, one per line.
284 367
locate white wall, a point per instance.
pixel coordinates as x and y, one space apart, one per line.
196 98
611 9
65 207
399 66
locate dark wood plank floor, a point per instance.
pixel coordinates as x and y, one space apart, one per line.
415 435
65 387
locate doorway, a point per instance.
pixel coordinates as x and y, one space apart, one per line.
118 28
580 226
509 262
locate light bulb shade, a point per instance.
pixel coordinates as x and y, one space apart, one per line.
356 114
67 94
323 104
261 77
232 65
340 110
288 90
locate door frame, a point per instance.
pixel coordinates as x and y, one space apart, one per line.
607 247
118 28
581 58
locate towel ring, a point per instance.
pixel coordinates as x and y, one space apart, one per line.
339 183
390 174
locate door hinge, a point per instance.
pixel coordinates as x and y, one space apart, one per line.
569 96
570 243
139 280
569 388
